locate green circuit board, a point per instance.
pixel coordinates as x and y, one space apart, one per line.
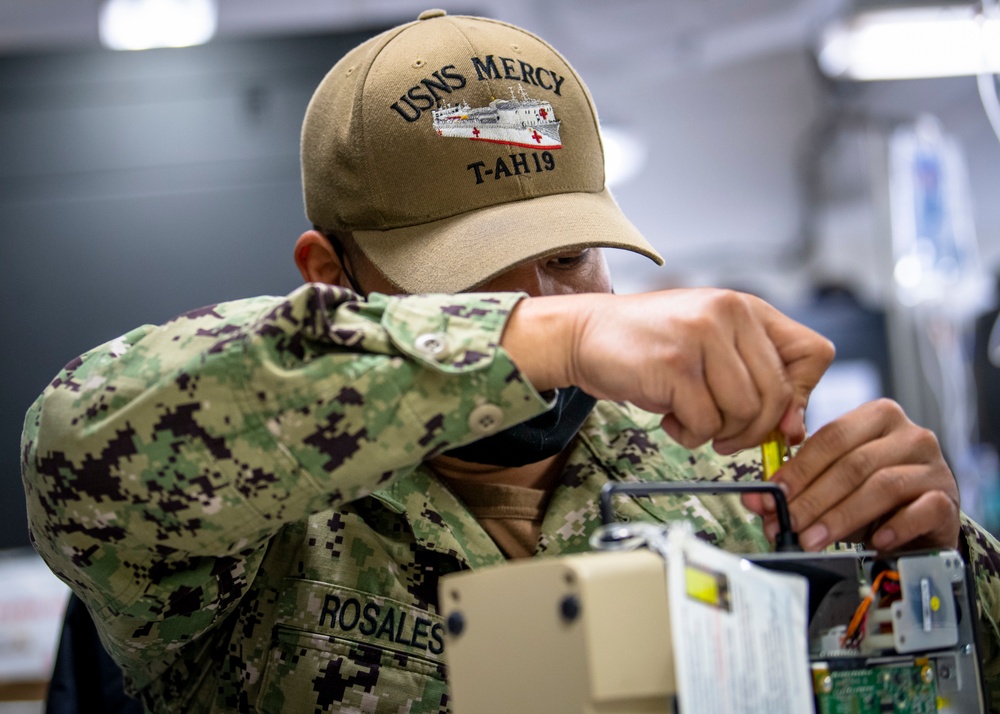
900 689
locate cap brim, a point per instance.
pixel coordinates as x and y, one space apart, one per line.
463 252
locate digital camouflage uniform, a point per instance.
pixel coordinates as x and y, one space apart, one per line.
239 495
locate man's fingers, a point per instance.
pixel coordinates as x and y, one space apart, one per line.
870 466
760 503
837 441
805 353
931 519
820 522
785 374
734 390
751 413
694 419
920 524
793 423
724 366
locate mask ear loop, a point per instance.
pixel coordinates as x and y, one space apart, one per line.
338 248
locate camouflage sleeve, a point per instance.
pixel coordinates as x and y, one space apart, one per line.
982 552
156 465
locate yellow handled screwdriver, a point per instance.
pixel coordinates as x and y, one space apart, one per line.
773 453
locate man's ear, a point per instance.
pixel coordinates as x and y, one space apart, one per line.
317 260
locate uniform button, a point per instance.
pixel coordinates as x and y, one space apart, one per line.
433 344
428 14
485 419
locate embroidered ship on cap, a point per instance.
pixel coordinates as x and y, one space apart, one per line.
521 121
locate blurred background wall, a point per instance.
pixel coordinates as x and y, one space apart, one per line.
137 185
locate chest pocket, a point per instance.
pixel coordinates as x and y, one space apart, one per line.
342 650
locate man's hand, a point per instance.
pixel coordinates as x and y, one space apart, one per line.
719 365
870 476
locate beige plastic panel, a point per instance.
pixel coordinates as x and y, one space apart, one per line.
517 652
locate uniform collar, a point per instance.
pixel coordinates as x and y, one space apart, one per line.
624 444
617 443
440 522
598 456
612 445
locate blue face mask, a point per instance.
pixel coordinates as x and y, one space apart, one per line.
534 440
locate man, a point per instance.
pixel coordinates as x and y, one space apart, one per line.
257 499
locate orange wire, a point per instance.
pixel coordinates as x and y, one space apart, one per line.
859 614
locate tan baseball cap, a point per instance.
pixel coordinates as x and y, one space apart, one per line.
455 148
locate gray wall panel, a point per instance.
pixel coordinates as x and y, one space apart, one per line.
133 187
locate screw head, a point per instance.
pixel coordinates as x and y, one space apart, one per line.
569 608
927 674
455 623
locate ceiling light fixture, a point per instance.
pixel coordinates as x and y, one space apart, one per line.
947 40
144 24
